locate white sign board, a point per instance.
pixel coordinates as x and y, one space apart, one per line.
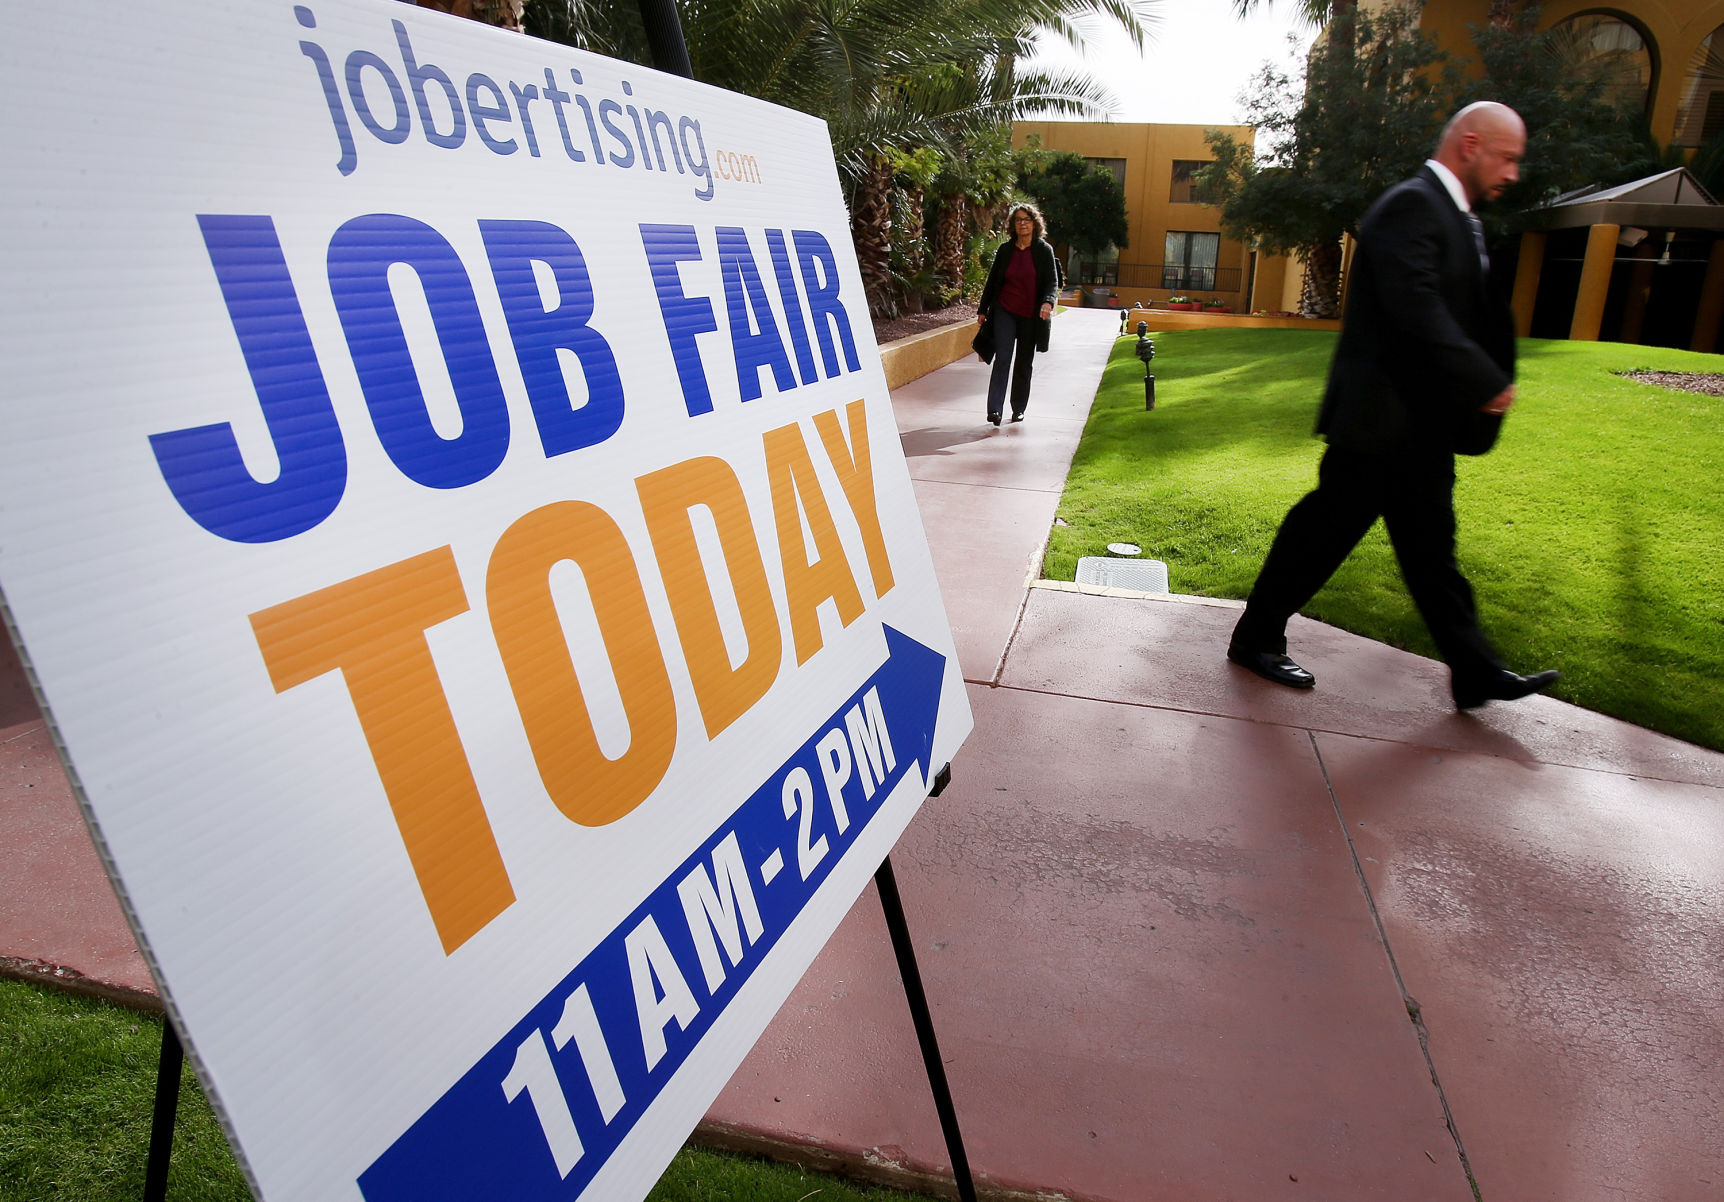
450 504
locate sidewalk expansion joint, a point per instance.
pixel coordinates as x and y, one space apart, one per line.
1413 1010
1050 491
1011 641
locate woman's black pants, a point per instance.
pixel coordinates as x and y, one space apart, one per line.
1014 353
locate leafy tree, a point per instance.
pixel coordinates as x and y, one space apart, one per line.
1370 111
1083 203
1576 135
1376 93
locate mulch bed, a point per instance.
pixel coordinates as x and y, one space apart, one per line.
1709 382
891 329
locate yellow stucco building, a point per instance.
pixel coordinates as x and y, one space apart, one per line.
1670 53
1644 262
1640 264
1175 246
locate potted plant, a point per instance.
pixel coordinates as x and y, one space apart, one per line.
1216 305
1182 303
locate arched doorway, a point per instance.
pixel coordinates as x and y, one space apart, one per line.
1607 48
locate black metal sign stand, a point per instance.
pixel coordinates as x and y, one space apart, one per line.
162 1120
664 36
912 977
905 950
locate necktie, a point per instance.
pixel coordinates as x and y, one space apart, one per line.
1479 242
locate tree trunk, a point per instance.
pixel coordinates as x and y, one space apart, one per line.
993 219
913 245
950 235
915 230
1321 294
871 230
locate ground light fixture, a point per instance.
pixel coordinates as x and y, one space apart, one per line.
1146 352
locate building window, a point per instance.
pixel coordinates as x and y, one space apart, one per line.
1185 190
1610 50
1188 263
1702 116
1114 167
1094 269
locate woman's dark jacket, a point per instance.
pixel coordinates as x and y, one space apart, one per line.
1047 291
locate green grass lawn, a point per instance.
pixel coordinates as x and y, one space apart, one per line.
77 1084
1593 534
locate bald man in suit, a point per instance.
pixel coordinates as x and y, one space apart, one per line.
1424 370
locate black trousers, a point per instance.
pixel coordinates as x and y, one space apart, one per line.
1414 495
1014 352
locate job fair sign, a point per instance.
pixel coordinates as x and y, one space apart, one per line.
451 509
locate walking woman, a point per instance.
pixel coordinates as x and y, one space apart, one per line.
1017 308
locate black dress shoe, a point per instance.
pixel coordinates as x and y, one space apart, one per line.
1271 666
995 418
1501 685
1017 417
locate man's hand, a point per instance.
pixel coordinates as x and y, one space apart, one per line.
1047 311
1499 404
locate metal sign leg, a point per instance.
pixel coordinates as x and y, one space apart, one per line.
664 36
887 884
162 1121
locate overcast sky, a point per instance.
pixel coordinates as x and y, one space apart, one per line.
1199 59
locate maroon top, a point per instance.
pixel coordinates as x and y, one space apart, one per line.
1018 293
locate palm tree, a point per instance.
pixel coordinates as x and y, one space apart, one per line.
886 75
897 75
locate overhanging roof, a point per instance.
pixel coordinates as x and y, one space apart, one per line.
1671 199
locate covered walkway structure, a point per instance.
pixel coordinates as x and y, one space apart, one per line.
1640 262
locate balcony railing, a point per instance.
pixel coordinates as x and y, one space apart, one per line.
1176 277
1180 277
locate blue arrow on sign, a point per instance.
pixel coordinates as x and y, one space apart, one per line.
548 1105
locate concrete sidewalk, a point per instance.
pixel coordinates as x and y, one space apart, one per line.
1192 936
1188 935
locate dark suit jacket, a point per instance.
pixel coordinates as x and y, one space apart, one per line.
1047 290
1424 341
